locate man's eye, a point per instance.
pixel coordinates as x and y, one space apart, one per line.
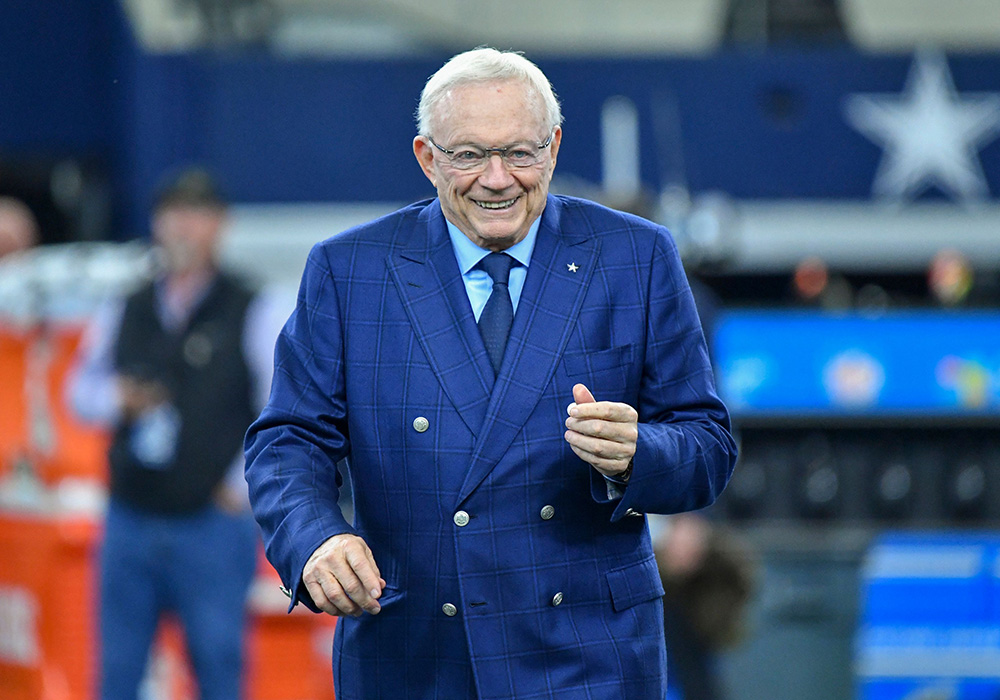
467 154
520 154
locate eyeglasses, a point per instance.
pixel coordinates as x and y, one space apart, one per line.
472 157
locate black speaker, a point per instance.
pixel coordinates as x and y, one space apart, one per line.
892 482
818 488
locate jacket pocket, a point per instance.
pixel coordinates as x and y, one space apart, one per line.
390 594
590 363
634 583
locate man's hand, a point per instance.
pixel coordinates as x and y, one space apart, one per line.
342 578
230 499
136 396
601 433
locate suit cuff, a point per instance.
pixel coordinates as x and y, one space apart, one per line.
616 487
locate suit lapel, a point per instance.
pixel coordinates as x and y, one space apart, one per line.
562 264
430 285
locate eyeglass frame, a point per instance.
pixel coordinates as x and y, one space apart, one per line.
488 152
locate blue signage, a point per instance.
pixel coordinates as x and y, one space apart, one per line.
930 621
795 363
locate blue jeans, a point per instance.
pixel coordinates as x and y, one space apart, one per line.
198 566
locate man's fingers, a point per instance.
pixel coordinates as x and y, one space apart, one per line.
376 590
581 394
624 432
600 448
366 572
355 575
329 597
602 433
343 571
336 595
609 467
604 410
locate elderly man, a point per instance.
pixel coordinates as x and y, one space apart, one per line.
514 379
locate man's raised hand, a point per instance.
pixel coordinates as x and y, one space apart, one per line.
601 433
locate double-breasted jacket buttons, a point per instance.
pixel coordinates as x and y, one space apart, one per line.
461 518
449 610
547 512
557 599
421 424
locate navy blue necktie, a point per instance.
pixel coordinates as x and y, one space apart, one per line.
498 314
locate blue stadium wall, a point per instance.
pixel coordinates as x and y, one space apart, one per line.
754 124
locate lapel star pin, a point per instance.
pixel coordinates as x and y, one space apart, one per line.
572 267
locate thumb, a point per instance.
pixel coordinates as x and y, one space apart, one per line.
581 394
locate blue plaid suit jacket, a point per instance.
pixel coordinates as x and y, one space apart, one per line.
383 333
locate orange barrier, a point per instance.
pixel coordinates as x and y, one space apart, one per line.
13 413
289 655
48 625
35 422
47 608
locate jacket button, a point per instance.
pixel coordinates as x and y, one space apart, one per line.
557 598
421 424
547 512
449 610
461 518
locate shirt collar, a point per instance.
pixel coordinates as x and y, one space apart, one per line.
469 254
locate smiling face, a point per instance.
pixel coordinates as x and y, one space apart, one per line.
494 206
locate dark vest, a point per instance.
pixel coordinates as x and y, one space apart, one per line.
204 369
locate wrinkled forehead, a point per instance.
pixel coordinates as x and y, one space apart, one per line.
491 113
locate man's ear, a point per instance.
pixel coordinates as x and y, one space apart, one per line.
424 153
554 145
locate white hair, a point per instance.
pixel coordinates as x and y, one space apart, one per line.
483 65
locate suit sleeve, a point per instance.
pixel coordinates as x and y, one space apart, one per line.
685 453
293 448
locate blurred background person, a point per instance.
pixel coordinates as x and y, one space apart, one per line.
709 577
18 226
177 370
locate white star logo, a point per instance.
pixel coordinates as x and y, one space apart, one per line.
930 135
572 267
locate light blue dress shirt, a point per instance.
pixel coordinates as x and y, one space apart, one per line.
478 284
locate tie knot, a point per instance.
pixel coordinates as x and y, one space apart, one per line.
497 266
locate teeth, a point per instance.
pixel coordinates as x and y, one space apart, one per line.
497 205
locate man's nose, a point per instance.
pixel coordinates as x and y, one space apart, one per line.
495 175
